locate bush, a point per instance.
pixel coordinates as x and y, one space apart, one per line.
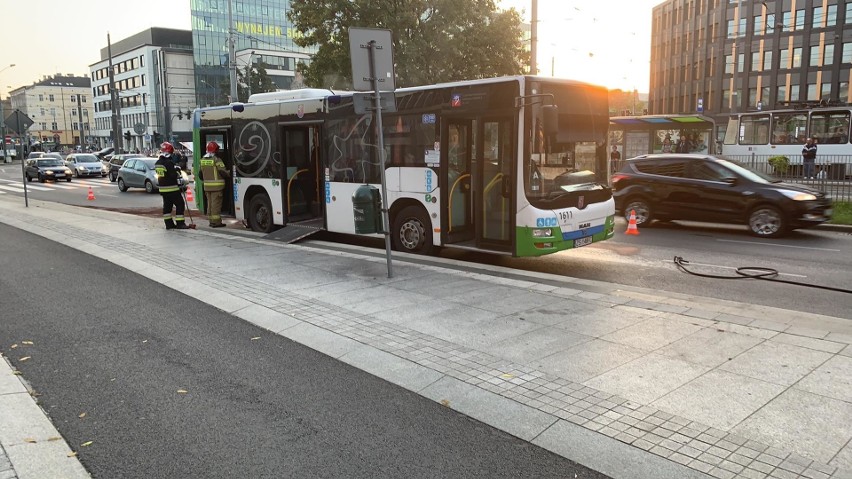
780 164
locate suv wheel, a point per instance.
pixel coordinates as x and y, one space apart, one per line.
767 222
641 207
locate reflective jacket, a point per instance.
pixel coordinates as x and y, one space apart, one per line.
213 173
167 174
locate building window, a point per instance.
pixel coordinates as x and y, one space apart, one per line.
767 61
214 5
49 97
828 56
843 92
794 93
764 92
53 126
797 57
831 18
800 20
73 98
729 64
239 7
781 93
758 25
755 61
752 97
847 52
784 58
741 62
848 18
73 112
264 10
814 55
817 21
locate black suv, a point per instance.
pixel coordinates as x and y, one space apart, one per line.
713 189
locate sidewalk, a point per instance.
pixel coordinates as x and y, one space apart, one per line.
633 383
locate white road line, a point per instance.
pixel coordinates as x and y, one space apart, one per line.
19 188
734 269
778 245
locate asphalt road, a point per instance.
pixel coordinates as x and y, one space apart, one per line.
165 386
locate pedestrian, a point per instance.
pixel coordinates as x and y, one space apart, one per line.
614 159
170 181
213 175
809 152
667 144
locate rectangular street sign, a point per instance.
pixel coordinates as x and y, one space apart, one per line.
360 40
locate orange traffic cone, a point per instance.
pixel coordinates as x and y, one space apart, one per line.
91 194
631 225
189 196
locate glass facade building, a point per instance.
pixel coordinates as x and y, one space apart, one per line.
261 33
738 55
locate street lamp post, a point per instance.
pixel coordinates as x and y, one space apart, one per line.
3 116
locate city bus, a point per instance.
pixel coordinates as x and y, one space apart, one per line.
756 136
640 135
513 165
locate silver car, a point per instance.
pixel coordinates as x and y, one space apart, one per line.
138 173
85 164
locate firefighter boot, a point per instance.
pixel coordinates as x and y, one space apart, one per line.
180 225
170 224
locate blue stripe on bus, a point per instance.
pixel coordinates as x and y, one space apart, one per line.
583 232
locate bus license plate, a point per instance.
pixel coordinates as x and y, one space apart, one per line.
585 240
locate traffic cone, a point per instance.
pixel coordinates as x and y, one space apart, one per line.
631 225
189 196
91 194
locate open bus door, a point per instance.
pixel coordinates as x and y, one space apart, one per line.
478 172
222 138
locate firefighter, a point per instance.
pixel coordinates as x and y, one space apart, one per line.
213 175
170 181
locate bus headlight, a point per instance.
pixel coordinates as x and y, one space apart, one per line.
542 233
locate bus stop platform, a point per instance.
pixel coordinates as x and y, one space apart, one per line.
630 382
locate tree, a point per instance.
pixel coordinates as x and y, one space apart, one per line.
253 79
433 40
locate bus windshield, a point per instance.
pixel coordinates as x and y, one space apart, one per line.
568 162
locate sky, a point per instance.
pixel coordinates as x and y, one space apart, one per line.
578 39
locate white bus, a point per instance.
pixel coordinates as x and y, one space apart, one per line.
512 165
756 136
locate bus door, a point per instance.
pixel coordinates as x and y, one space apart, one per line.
478 176
300 183
457 201
222 138
493 183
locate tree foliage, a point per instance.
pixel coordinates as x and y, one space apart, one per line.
433 40
253 79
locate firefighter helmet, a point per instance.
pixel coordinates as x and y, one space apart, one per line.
167 147
212 147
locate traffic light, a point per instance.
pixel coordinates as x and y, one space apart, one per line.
127 135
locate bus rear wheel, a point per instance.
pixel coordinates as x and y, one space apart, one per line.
412 231
260 214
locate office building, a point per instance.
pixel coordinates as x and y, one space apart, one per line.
720 57
261 33
60 107
153 79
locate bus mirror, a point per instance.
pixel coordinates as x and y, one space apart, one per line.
238 107
551 119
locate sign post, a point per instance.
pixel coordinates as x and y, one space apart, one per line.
20 123
376 47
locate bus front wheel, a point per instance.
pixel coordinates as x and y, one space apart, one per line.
412 231
260 214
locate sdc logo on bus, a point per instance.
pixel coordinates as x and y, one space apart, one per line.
546 222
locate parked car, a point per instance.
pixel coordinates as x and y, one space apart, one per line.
114 164
46 169
138 173
85 164
714 189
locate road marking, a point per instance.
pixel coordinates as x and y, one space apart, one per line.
19 188
779 245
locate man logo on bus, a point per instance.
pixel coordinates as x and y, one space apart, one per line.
300 111
581 201
456 101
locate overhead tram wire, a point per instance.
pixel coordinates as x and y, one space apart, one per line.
754 272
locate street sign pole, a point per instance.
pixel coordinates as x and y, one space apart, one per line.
379 48
21 123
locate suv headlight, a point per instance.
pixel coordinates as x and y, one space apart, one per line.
798 195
